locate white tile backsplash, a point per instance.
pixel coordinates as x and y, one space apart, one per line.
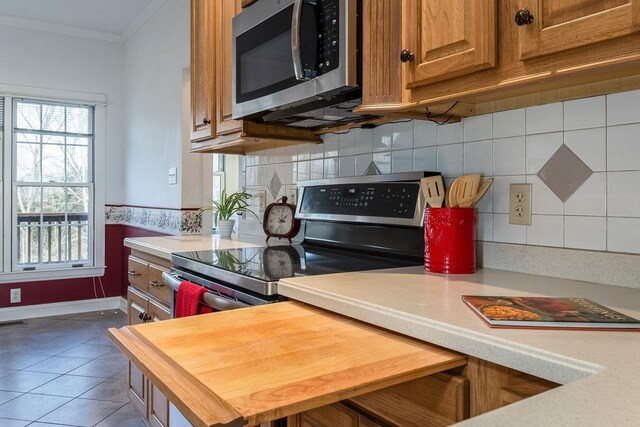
509 123
585 113
451 160
623 147
584 232
590 145
623 235
546 230
544 118
509 156
478 158
603 214
478 128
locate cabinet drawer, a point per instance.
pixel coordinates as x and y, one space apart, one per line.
137 306
157 287
158 312
138 272
437 400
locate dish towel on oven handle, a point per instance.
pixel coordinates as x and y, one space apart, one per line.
188 299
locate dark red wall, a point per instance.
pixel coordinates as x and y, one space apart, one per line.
114 280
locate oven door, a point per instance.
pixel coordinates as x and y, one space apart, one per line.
289 52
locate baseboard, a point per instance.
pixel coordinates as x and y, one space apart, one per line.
123 305
58 308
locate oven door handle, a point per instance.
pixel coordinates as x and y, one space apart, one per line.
296 49
221 303
171 280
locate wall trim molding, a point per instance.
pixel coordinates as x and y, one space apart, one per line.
59 308
141 19
167 221
68 30
124 307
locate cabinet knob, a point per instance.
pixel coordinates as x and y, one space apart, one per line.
155 284
206 121
523 17
407 56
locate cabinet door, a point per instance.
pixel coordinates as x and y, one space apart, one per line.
137 306
158 407
138 272
226 10
158 312
449 38
137 389
559 25
335 415
202 70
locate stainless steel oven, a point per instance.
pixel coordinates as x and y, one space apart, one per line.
294 55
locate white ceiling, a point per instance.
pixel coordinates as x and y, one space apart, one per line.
110 18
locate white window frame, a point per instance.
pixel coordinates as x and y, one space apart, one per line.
97 223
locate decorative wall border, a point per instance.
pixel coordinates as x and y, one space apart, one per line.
170 221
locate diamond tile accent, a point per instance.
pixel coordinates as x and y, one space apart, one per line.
372 170
564 173
275 185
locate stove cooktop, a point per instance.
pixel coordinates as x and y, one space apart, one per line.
272 263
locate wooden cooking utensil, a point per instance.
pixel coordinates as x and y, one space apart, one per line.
433 190
467 190
452 200
483 189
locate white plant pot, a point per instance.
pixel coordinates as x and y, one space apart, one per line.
225 227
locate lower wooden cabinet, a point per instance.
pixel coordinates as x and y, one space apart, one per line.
137 389
158 407
326 416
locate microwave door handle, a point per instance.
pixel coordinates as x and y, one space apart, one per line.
296 49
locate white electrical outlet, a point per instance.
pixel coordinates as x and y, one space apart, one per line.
15 296
261 200
520 204
293 196
173 176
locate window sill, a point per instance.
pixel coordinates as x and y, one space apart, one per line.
42 275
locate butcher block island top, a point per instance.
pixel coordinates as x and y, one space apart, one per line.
252 365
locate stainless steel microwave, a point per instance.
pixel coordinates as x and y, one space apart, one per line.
292 56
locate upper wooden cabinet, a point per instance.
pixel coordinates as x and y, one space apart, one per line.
213 126
203 60
559 25
476 57
448 38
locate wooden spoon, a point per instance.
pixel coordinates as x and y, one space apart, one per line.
433 190
482 190
468 189
452 194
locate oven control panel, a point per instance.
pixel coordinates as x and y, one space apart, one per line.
383 200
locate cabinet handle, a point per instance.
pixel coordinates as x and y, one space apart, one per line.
155 284
144 316
206 121
133 273
523 17
407 56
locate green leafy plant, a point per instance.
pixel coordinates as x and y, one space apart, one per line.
228 206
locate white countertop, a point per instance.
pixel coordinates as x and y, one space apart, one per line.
600 370
164 246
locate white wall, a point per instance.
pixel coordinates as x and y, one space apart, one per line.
56 61
155 59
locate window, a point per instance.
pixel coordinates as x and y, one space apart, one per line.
53 188
49 195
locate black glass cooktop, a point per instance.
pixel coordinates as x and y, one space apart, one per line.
273 263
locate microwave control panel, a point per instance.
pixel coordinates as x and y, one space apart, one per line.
386 200
328 16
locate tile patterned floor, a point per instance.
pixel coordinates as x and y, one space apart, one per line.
64 371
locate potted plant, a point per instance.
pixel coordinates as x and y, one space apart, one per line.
228 206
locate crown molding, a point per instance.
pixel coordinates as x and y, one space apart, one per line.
61 29
141 19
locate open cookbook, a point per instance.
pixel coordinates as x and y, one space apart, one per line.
548 313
